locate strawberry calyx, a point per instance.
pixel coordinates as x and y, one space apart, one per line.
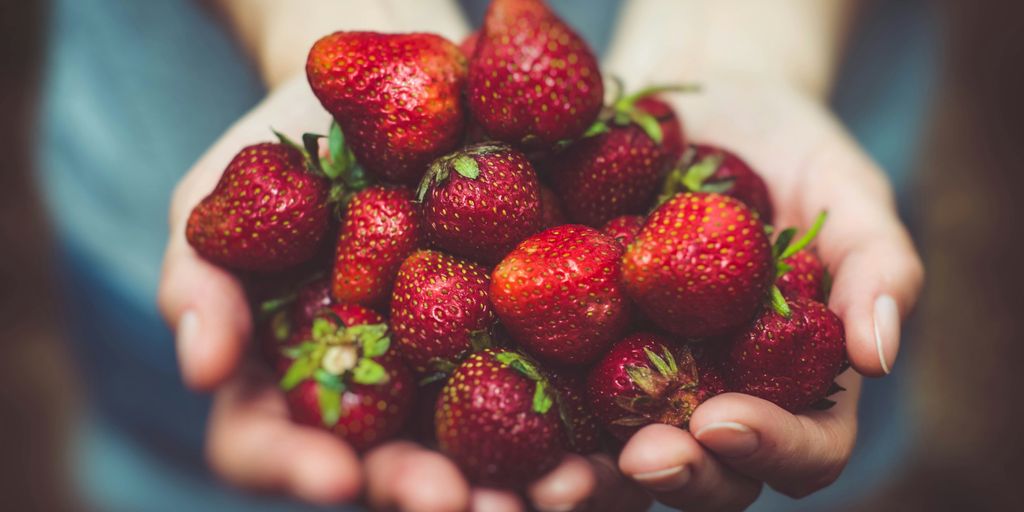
692 175
338 166
441 368
785 247
336 357
461 162
623 111
668 390
545 395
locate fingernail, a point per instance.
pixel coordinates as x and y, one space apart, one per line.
887 331
664 479
729 439
186 335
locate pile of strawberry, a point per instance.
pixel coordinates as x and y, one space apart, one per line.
540 268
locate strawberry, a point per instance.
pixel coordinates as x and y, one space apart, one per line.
397 97
618 170
551 213
806 277
559 294
480 201
439 310
497 418
701 266
269 211
381 227
674 138
346 380
789 360
644 379
624 228
532 80
714 169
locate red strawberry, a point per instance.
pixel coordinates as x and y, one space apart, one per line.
480 201
346 380
438 309
624 228
268 211
397 97
714 169
559 294
497 418
644 379
551 213
532 80
701 266
381 227
791 361
616 172
674 139
805 278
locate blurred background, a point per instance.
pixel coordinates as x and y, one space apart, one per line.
959 188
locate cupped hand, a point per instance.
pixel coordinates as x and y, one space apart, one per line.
737 443
252 443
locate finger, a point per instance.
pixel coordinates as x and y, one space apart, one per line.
207 308
680 473
615 492
566 486
252 443
877 272
405 476
487 500
795 454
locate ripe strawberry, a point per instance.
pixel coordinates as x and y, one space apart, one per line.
791 361
805 278
616 172
268 211
346 380
397 97
624 228
714 169
381 227
701 266
559 294
644 379
551 213
674 139
532 80
497 418
439 309
480 201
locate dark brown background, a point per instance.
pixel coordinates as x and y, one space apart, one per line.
964 363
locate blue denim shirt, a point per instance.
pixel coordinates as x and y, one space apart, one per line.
137 90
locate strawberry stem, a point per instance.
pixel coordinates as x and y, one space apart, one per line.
779 303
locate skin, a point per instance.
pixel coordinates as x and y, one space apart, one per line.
772 115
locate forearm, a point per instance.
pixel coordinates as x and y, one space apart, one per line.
793 41
277 34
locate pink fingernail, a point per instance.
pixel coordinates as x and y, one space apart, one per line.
887 331
729 439
669 479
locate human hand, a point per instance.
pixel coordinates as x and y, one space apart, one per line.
735 442
251 441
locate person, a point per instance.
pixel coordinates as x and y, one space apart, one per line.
765 69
